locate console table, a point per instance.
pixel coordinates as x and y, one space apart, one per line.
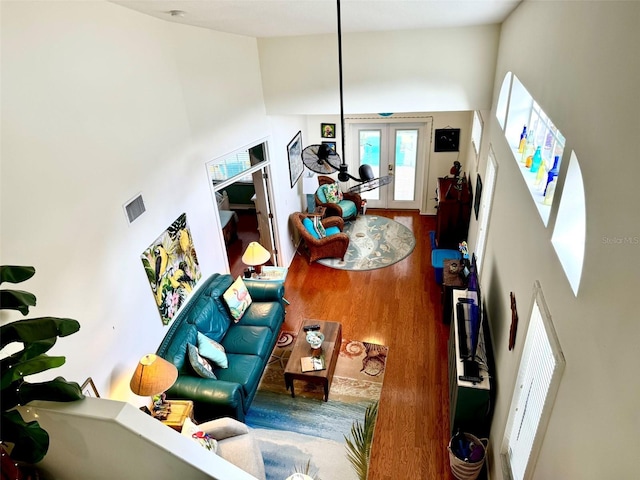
470 404
454 211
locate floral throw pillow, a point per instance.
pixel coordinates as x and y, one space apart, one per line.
237 298
333 193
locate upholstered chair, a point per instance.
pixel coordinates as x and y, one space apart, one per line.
347 208
333 245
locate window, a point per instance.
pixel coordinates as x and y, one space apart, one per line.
236 164
539 374
522 111
485 208
476 133
570 231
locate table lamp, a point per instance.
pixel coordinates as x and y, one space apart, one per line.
255 255
309 187
153 376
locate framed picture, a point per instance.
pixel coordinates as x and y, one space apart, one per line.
447 140
294 152
476 202
89 389
332 146
328 130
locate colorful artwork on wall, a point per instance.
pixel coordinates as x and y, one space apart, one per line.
172 268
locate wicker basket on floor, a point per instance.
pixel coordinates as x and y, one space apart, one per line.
465 470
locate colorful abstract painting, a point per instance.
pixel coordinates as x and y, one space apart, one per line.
172 268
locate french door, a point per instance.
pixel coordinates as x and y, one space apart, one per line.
396 150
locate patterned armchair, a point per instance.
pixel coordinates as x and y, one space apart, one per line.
333 245
347 208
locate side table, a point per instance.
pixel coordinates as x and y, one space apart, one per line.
450 281
180 411
320 211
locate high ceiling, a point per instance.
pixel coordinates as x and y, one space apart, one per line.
278 18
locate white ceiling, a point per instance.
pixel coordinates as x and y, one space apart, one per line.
278 18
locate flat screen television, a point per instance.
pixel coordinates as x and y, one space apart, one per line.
473 323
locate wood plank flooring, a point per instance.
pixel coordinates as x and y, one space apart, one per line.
398 306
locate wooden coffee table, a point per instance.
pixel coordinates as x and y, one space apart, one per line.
330 347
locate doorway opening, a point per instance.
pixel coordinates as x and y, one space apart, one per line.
242 187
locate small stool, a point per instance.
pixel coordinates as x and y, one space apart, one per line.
438 256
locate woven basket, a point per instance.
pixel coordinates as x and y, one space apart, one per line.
462 469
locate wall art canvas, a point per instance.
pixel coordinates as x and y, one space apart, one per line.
172 268
294 152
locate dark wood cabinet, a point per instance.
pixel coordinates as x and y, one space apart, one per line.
454 211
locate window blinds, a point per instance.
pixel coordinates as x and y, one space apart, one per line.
539 374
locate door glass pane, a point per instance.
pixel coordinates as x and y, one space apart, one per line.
405 165
370 154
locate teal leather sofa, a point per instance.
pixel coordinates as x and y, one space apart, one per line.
248 345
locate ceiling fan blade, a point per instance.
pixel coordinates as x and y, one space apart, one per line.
371 184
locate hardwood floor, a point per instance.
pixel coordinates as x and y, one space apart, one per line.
398 306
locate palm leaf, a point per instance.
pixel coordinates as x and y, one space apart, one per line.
360 440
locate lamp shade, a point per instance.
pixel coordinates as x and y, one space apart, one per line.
255 254
153 375
309 185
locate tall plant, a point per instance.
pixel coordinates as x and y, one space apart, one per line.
27 441
360 440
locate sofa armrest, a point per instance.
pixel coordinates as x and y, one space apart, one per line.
265 291
208 391
222 428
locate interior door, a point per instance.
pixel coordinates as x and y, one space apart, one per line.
263 212
396 150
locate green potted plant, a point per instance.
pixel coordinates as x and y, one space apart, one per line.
28 442
360 440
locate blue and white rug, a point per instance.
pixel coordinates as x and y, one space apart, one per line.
294 432
374 242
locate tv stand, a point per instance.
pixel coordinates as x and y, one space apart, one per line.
470 396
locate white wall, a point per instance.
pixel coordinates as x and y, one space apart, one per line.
584 71
412 71
100 103
105 439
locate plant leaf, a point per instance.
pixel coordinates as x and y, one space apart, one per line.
359 445
30 441
36 329
56 390
32 366
17 300
15 273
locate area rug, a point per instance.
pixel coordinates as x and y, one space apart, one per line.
374 242
305 433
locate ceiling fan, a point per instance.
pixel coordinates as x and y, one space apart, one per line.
324 160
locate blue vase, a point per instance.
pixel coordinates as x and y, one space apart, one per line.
553 173
537 161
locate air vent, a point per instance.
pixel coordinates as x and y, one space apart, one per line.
134 208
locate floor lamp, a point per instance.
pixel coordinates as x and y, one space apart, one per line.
309 187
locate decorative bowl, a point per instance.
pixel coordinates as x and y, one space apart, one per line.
315 339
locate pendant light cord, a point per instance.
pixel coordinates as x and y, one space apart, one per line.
340 77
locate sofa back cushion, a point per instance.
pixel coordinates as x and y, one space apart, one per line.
209 312
176 351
